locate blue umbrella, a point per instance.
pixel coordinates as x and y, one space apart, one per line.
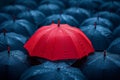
13 64
114 47
102 66
4 17
92 5
56 2
13 9
15 41
34 16
49 9
64 19
114 18
99 21
99 36
79 14
52 71
116 32
18 26
111 6
28 3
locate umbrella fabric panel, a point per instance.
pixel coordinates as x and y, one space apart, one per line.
50 9
98 21
99 36
58 43
4 17
92 7
34 16
15 41
114 18
13 10
115 46
101 67
13 64
22 27
111 6
60 71
30 4
116 32
56 2
64 19
78 13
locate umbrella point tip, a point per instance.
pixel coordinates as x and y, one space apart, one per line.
95 25
58 22
52 22
8 49
105 53
4 32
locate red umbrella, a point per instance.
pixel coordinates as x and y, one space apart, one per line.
59 42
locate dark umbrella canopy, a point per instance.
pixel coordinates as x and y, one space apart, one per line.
111 6
114 18
99 36
79 14
57 2
18 26
91 5
116 32
53 71
15 41
4 17
28 3
33 16
102 66
64 19
49 9
99 21
13 64
13 9
115 46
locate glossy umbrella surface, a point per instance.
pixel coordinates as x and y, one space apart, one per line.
100 36
53 71
13 64
102 66
59 42
15 41
64 19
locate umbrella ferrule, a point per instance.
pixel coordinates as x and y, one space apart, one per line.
58 22
52 22
4 32
105 54
8 48
95 25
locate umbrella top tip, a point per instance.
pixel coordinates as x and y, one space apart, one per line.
8 49
95 24
105 53
58 22
4 31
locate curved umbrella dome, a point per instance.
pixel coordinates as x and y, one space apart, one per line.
53 71
64 19
59 42
79 14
